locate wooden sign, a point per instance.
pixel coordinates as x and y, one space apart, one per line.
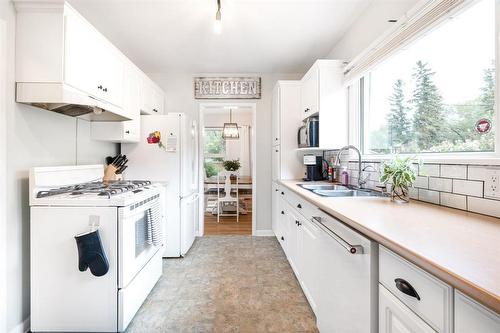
227 87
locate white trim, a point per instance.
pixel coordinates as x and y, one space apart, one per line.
264 233
438 159
3 180
23 327
201 107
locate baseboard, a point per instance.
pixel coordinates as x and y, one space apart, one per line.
263 233
23 327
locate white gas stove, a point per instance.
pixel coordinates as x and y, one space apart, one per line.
77 287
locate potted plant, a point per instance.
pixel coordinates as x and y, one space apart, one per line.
232 165
399 172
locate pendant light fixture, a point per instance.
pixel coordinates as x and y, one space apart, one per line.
218 19
230 130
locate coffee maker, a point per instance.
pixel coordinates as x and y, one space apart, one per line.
314 168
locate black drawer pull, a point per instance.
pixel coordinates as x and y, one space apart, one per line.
282 213
282 238
406 288
299 206
282 193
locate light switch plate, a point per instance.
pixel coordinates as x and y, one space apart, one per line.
491 184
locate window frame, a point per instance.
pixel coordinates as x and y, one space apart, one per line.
358 99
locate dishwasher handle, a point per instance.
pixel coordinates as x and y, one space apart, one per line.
353 249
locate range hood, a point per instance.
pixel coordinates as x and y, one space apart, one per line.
64 99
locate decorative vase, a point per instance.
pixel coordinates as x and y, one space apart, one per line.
400 194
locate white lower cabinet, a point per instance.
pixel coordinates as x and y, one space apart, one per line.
472 317
395 317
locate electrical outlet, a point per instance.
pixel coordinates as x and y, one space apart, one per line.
491 184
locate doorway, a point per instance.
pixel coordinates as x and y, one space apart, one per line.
227 168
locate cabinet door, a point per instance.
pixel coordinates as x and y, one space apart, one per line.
111 74
79 54
282 224
472 317
292 238
307 261
276 163
309 93
276 116
395 317
157 101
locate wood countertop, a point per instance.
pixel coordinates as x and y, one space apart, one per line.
460 248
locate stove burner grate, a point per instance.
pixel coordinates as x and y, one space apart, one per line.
99 188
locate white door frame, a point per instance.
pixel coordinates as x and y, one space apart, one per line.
201 109
3 167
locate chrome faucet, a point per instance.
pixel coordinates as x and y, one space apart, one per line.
361 181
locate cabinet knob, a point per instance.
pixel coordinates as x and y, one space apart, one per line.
155 110
127 132
282 193
307 110
277 150
99 87
276 190
276 139
299 206
282 238
406 288
282 213
105 89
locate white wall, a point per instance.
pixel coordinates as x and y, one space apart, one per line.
179 90
33 137
241 117
369 26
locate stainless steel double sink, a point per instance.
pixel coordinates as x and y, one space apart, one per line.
339 191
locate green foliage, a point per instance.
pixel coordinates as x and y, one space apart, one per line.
214 142
399 172
435 127
232 165
428 119
398 123
210 169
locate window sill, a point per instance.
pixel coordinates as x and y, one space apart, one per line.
472 159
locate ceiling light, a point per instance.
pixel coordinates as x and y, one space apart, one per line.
218 20
230 130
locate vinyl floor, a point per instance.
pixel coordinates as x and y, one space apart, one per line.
227 284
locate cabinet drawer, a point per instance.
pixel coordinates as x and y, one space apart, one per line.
428 297
300 204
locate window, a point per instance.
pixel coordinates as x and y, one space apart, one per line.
214 150
437 94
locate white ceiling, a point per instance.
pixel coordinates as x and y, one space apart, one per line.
261 36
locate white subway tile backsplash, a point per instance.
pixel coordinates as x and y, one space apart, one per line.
413 193
453 200
468 187
454 171
429 170
479 172
483 206
421 182
440 184
428 196
452 185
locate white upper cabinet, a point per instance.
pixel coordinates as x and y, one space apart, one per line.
61 59
323 94
152 98
309 92
286 163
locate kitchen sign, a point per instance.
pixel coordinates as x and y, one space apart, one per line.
227 87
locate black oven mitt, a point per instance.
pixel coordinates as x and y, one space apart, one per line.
91 253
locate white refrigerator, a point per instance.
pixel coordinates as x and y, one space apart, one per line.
172 161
